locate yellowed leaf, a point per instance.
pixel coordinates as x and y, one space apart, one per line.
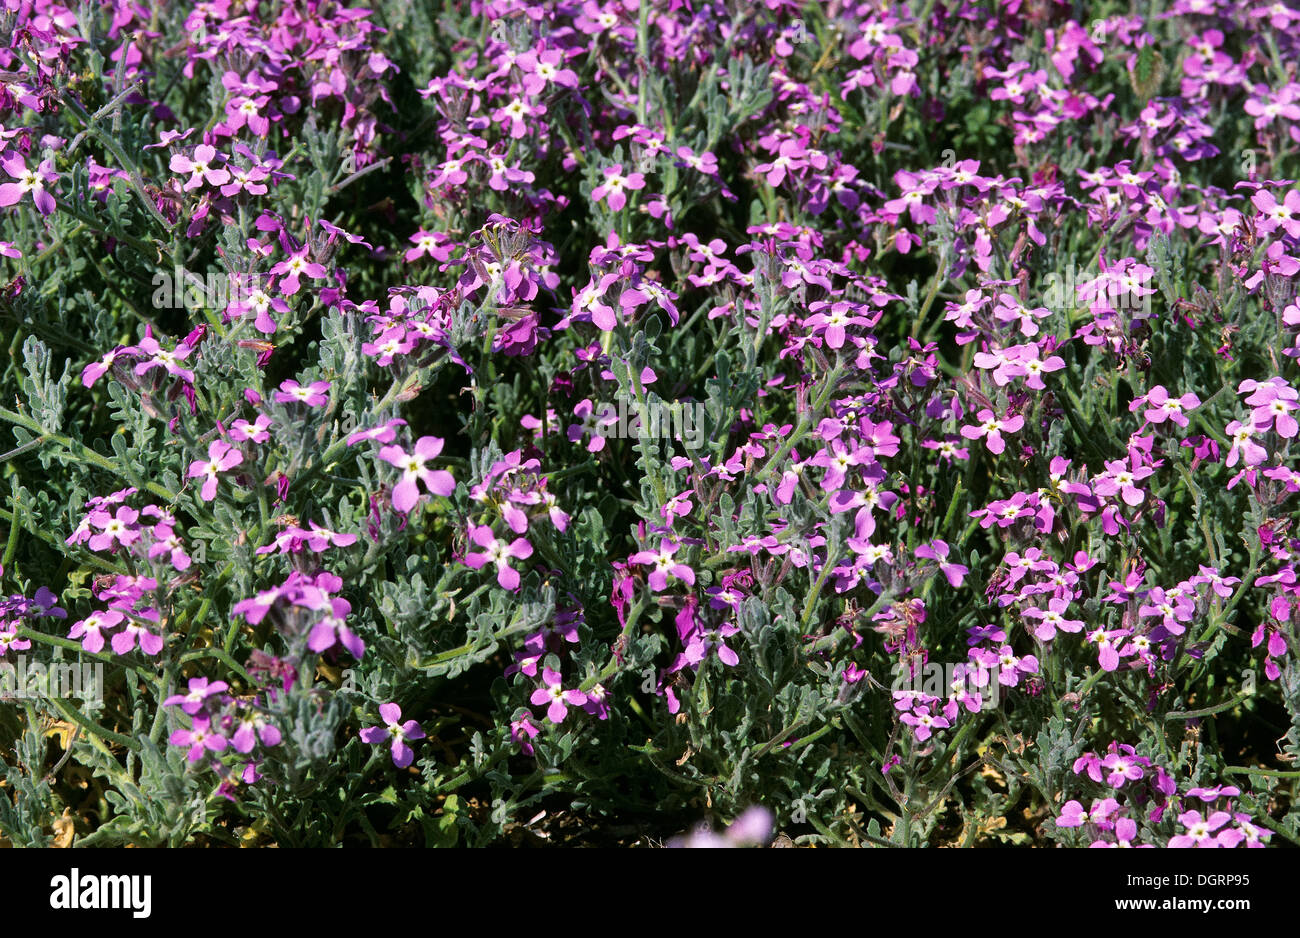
64 829
63 730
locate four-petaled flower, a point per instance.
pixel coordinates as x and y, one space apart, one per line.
614 188
200 168
664 565
221 457
438 481
394 729
991 428
200 737
195 699
28 181
497 551
313 395
553 693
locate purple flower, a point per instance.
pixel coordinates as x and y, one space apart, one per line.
196 698
399 732
615 187
438 481
522 732
221 457
1053 618
97 369
705 641
200 168
991 428
497 551
90 629
252 728
313 395
332 630
200 737
938 551
28 181
554 694
1200 831
1162 407
664 565
1122 768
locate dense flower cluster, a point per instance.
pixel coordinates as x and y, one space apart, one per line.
959 343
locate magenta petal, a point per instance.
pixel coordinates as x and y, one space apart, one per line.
440 482
405 495
402 754
322 636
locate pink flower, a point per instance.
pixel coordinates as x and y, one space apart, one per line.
257 432
664 565
150 642
1243 445
434 244
1010 668
384 433
614 188
522 732
498 552
556 696
1162 407
1200 830
594 423
923 722
1272 402
438 481
159 357
195 699
1120 480
313 395
1107 646
28 181
221 457
1053 618
332 630
1275 214
295 267
399 732
991 428
97 369
200 737
200 168
120 528
90 629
